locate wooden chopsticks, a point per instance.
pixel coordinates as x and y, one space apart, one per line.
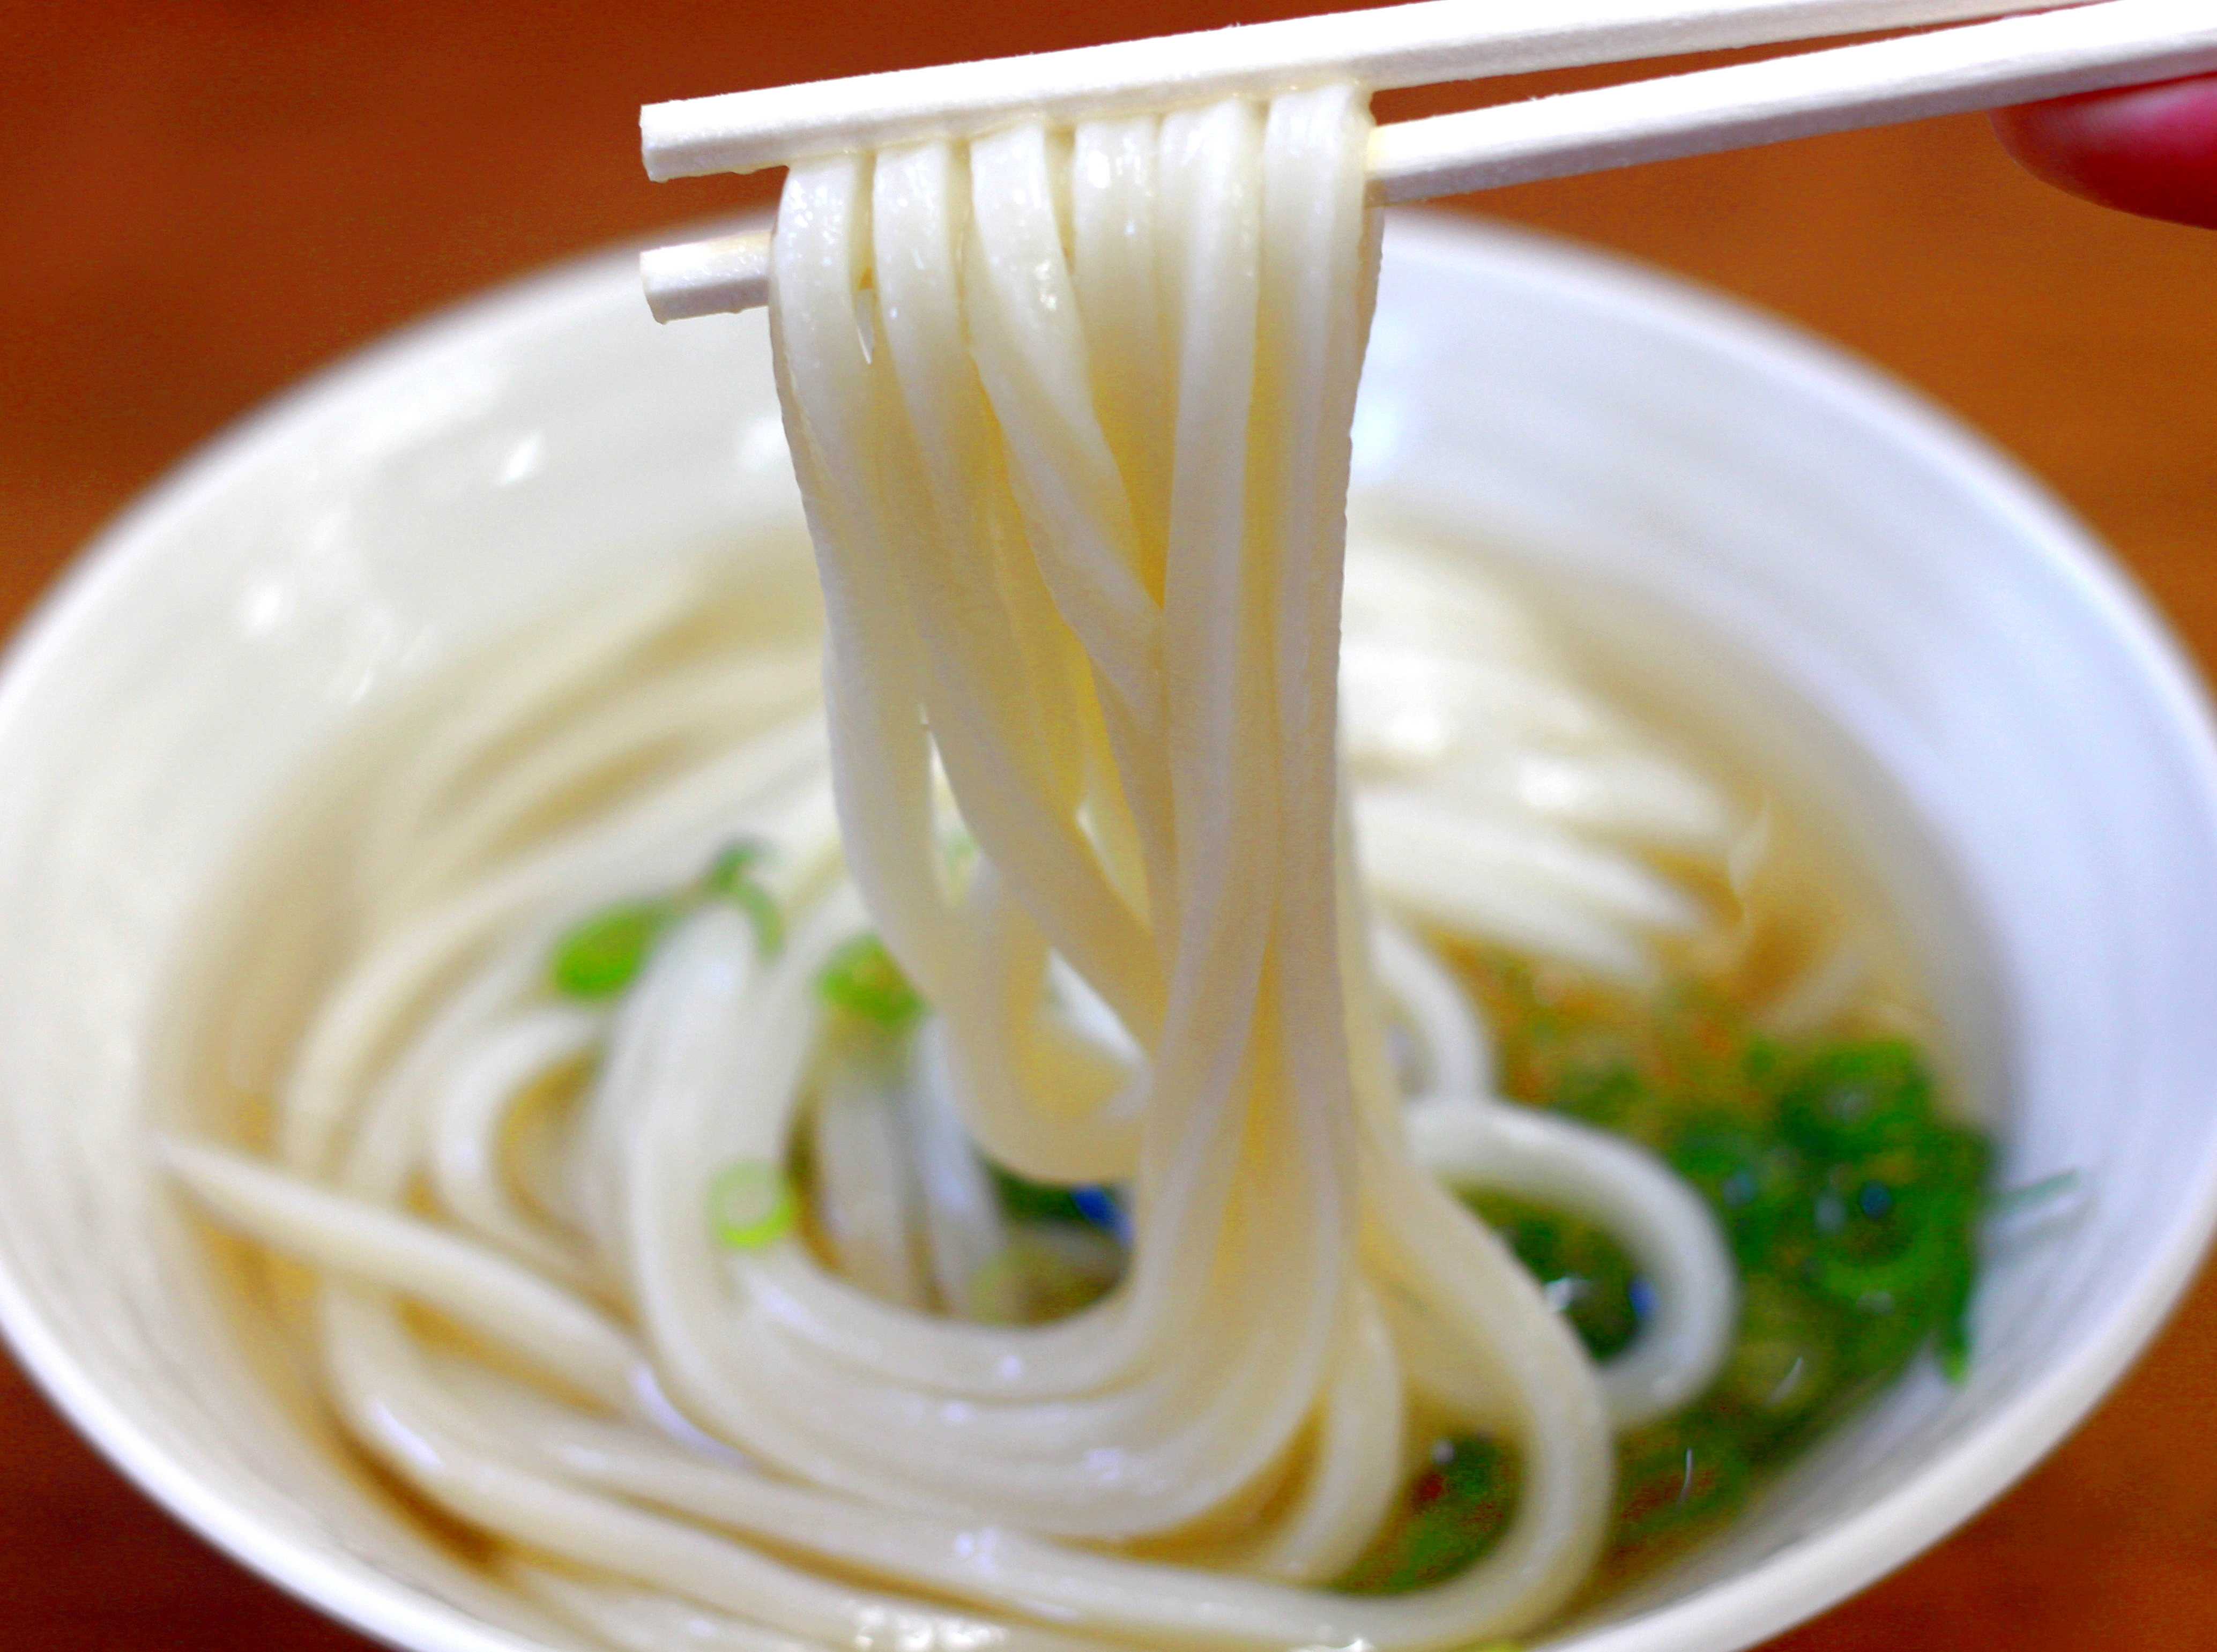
1426 44
2061 49
1986 65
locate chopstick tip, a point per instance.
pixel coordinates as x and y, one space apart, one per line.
707 278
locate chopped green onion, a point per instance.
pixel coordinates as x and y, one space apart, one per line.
1583 1273
1752 1179
1085 1205
861 978
730 877
761 910
751 1204
1856 1100
1954 1346
1451 1514
1898 1255
602 954
732 866
1851 1204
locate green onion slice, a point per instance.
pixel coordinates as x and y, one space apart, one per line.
751 1204
602 954
761 910
729 878
729 869
862 977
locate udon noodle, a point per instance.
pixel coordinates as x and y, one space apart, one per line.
682 1288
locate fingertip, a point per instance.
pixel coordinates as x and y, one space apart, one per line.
2150 149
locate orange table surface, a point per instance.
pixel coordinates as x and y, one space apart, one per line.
200 201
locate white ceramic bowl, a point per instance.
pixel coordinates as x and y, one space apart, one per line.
1869 599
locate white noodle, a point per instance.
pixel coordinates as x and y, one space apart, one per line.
1070 413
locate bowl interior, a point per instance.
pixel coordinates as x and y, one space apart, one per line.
1867 598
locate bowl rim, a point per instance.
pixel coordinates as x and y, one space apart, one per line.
1794 1583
